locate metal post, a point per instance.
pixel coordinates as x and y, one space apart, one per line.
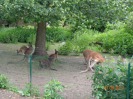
30 73
30 68
128 82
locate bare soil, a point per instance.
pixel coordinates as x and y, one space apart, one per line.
77 86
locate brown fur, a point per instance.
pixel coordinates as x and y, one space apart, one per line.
54 56
47 62
28 51
92 58
22 49
85 54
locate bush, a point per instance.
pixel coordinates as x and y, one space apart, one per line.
32 38
56 34
4 83
25 34
83 39
66 49
117 42
13 35
52 89
110 82
114 41
117 26
29 90
129 24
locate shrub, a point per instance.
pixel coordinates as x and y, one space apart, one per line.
56 34
13 35
32 38
116 41
129 24
4 83
116 26
26 34
52 89
29 90
83 40
110 81
66 49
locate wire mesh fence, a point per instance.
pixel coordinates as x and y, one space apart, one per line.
19 73
77 86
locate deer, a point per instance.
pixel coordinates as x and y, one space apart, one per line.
28 51
92 58
53 57
22 49
48 62
85 54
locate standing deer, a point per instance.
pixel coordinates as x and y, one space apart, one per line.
91 59
51 58
85 54
28 51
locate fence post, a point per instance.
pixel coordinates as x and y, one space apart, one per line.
128 81
30 67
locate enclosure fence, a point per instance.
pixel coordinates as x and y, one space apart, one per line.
128 77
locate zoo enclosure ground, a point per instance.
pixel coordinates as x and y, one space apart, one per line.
77 86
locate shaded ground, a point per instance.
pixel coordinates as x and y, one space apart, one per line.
77 86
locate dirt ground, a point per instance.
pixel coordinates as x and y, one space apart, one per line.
77 86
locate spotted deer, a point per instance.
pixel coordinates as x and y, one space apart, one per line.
92 58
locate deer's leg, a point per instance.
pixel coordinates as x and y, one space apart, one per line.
88 65
86 62
56 58
92 65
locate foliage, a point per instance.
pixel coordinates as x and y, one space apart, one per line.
29 90
52 89
56 34
13 35
66 49
82 40
117 41
31 38
13 88
26 34
110 81
32 10
48 45
129 24
95 14
116 26
4 83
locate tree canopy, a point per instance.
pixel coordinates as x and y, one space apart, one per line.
93 14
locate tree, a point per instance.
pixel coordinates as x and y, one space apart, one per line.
94 14
40 11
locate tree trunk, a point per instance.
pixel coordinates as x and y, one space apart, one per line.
40 49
